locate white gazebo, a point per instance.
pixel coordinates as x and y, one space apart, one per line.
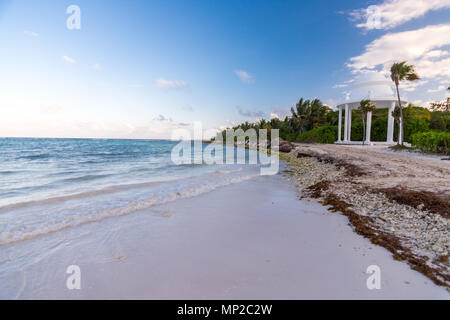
376 88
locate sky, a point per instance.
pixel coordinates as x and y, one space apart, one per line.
141 69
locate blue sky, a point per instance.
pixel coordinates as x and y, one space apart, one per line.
140 69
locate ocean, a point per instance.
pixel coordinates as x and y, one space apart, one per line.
47 185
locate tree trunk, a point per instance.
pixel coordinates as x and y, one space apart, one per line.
398 123
401 123
364 131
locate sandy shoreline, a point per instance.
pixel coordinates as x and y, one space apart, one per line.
397 200
250 240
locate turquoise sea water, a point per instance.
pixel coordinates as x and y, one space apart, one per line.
47 185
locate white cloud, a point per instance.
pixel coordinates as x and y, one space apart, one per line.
228 124
169 122
244 76
96 66
171 84
392 13
330 102
281 112
68 59
249 114
31 33
162 118
412 86
440 88
343 85
437 54
274 116
418 47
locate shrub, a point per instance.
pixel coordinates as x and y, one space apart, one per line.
324 134
288 136
357 131
413 126
432 141
440 121
379 129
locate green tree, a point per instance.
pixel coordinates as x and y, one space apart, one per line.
302 113
399 72
443 107
365 107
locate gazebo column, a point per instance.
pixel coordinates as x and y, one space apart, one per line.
346 124
340 125
349 125
390 127
369 126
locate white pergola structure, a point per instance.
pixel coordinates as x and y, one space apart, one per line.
347 108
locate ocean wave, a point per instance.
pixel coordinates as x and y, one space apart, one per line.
36 156
8 172
22 233
106 190
229 171
86 177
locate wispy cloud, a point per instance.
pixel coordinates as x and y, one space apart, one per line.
162 118
169 122
188 108
172 84
280 112
68 59
440 88
244 76
343 85
419 47
250 114
31 33
392 13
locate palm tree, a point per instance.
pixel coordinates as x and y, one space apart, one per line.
399 72
302 113
317 114
365 106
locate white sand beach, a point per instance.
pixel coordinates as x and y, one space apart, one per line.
250 240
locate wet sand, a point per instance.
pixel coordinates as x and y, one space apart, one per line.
251 240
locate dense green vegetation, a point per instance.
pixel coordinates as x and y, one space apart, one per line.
432 141
313 122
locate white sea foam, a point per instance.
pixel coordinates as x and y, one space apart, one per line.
30 220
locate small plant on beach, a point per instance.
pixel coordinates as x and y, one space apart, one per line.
399 72
365 106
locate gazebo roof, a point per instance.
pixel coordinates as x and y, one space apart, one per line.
373 86
379 103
